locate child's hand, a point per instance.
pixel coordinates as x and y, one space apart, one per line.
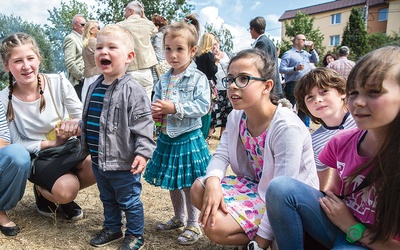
162 107
213 200
337 211
139 164
69 128
60 138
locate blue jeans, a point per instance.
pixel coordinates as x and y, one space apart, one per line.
293 208
120 191
15 164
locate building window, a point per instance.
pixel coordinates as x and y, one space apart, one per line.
383 14
334 40
336 19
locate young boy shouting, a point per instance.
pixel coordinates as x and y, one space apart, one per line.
117 130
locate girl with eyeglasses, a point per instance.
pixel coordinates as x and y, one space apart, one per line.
262 140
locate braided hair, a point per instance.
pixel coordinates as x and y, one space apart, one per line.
7 46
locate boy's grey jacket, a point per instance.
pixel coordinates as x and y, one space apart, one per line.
126 124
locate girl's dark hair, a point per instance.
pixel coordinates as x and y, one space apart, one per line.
384 177
322 78
265 65
328 54
159 20
7 45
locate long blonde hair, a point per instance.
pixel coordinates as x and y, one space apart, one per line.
86 35
206 43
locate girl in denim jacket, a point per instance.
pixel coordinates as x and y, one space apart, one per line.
181 98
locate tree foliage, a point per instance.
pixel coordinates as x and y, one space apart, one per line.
378 40
355 35
61 25
303 24
223 35
112 11
12 24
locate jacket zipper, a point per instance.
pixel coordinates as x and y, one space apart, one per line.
105 125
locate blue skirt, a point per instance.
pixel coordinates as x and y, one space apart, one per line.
178 162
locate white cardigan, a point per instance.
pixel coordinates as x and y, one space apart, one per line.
30 127
288 152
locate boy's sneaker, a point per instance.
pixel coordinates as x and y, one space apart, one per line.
44 206
72 211
105 237
132 242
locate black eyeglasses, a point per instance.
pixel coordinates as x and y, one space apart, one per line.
240 81
82 24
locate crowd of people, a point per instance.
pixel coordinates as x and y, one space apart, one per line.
335 188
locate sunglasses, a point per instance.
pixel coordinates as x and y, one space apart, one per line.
82 24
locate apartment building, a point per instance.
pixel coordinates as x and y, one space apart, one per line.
380 16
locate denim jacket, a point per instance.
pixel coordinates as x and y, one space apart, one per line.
191 97
126 125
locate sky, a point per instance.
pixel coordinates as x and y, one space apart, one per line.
234 15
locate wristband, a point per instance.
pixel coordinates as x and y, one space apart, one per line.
355 232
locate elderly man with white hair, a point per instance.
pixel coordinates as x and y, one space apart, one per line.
342 65
142 30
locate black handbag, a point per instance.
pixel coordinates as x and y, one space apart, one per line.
55 161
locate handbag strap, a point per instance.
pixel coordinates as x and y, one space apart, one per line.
51 94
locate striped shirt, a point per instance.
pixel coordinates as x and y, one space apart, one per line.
4 131
324 133
342 66
93 121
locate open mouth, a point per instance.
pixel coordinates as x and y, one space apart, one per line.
105 62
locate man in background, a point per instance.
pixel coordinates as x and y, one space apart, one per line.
257 30
142 30
73 59
342 65
295 63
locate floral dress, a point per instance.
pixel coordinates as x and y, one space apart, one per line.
240 193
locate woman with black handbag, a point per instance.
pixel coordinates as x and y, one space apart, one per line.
43 112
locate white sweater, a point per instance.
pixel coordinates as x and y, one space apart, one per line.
288 152
30 127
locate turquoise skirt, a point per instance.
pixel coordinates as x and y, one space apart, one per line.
178 162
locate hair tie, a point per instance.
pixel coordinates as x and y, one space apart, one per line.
40 85
10 97
188 20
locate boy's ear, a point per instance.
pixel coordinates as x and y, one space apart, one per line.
130 57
